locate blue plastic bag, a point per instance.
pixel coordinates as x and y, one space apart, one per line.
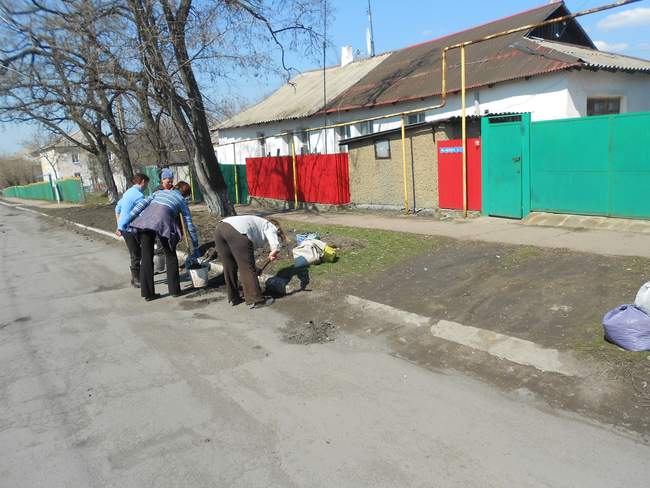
304 237
629 327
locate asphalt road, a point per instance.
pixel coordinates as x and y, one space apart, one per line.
99 388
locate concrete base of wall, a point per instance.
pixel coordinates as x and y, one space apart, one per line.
283 205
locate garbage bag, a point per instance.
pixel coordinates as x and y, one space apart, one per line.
629 327
642 299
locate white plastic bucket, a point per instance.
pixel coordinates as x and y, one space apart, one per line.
158 263
200 276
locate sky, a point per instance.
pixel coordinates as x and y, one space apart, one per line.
402 23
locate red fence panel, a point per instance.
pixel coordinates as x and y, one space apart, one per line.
321 178
270 177
450 174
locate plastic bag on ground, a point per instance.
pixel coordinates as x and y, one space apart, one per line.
628 327
642 299
310 251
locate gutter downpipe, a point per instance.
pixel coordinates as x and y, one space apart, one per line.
404 175
295 176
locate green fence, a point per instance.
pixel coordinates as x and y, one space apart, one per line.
590 165
228 172
70 190
34 191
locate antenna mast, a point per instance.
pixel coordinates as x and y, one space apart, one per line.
370 37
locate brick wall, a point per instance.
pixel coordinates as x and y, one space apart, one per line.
380 181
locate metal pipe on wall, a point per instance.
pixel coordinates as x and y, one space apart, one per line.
295 176
405 173
463 125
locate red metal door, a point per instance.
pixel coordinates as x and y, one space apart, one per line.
450 174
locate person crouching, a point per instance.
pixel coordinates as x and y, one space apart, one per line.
236 239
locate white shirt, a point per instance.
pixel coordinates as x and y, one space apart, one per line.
258 230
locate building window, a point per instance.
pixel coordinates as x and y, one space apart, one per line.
303 142
604 106
75 157
365 128
382 149
77 175
343 132
262 142
415 118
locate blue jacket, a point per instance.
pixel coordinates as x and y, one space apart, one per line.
172 199
129 199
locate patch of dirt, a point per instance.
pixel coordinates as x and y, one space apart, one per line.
312 332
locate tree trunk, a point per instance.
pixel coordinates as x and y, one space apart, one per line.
107 172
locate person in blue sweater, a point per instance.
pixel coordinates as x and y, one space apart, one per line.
122 210
158 216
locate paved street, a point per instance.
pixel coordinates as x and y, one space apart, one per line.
99 389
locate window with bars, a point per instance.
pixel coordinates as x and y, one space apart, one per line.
603 105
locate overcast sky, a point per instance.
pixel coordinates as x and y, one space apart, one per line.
401 23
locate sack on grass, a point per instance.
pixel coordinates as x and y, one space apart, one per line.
629 327
309 251
642 299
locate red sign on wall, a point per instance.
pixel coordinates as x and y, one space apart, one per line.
450 174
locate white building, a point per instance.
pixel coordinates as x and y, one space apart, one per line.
552 72
63 159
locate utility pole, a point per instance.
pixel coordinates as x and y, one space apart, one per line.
370 36
325 68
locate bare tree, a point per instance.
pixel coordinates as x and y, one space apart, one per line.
80 61
16 170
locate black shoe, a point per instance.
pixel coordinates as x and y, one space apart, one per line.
264 303
236 301
176 295
155 296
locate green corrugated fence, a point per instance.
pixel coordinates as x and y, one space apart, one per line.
228 172
33 191
70 190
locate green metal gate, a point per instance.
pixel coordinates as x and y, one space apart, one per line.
590 165
505 147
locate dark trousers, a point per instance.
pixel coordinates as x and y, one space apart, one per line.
132 241
236 252
147 287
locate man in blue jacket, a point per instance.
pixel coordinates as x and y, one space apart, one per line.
123 208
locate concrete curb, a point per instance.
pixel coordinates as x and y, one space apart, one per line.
501 346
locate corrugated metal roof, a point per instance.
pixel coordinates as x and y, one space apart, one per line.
304 95
414 72
597 59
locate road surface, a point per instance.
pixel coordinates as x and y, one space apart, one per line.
100 389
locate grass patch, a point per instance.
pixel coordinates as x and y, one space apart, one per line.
362 251
95 198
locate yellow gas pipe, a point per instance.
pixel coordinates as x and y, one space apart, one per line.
295 176
406 191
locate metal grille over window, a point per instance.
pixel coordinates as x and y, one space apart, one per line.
604 106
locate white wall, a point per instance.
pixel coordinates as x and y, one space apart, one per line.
554 96
634 88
